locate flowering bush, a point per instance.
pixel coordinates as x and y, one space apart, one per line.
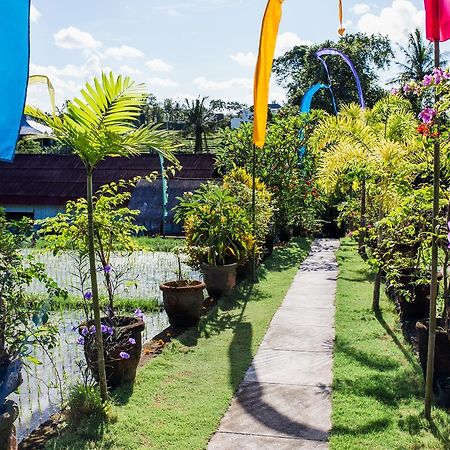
217 228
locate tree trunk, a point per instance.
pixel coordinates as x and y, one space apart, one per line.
377 284
95 297
198 139
362 233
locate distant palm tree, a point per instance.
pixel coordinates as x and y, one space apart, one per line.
419 59
199 121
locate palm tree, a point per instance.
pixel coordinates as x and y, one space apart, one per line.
99 125
419 59
199 121
371 147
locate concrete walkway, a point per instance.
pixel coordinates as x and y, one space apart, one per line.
284 401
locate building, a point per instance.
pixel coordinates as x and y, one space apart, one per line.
38 186
247 115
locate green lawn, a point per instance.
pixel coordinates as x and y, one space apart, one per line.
180 397
377 393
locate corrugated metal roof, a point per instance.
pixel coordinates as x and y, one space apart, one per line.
54 179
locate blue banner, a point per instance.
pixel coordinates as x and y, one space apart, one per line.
15 53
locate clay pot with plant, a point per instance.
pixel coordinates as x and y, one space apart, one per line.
218 235
183 298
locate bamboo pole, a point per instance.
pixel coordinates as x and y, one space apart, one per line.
434 266
254 211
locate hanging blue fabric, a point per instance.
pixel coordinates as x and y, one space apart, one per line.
306 108
15 52
165 193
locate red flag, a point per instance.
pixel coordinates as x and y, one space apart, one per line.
437 20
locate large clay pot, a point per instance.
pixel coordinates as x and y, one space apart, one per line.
419 306
219 280
119 370
269 244
8 415
286 234
183 302
442 349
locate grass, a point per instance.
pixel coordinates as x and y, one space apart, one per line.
378 387
151 244
180 397
73 302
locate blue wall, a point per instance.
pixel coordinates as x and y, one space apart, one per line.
40 211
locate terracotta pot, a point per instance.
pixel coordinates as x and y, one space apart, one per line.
419 306
119 371
442 351
246 270
219 280
183 302
9 412
443 391
268 246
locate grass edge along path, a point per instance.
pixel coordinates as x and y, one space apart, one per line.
378 388
180 397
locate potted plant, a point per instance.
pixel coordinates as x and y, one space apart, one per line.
183 298
115 227
240 184
104 123
218 235
24 323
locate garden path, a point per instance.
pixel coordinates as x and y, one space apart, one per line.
284 401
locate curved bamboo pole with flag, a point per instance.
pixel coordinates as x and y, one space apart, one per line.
15 51
37 79
437 13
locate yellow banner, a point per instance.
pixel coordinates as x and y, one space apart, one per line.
268 39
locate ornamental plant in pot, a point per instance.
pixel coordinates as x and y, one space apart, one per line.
183 298
115 228
103 123
24 322
240 184
218 235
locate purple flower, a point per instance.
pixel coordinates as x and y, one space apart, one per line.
88 295
394 91
92 329
104 328
124 355
448 235
107 268
110 331
84 331
427 80
132 341
80 340
407 89
446 75
139 314
427 115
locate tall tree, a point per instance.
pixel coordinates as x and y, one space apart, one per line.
298 69
199 121
418 55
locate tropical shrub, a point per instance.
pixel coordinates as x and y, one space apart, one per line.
217 228
240 184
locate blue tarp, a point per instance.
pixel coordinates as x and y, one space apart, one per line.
15 53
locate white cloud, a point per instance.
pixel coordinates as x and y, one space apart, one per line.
206 84
66 71
158 65
34 13
124 51
74 38
360 9
130 70
287 41
396 21
162 82
244 59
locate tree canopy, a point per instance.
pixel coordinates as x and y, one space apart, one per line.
299 69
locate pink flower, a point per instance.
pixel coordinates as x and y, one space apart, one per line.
427 115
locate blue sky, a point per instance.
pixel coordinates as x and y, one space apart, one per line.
186 48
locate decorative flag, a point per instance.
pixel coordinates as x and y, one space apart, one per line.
267 42
165 193
341 30
348 61
437 20
35 79
15 50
